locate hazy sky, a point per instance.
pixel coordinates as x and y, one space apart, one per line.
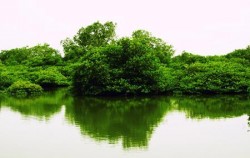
197 26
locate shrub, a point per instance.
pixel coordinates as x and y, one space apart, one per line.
215 77
51 78
24 89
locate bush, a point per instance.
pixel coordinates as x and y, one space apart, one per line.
24 89
215 77
51 78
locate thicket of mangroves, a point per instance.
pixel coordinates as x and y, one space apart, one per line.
96 62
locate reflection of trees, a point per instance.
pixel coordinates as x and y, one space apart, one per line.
1 100
248 120
130 120
41 107
213 107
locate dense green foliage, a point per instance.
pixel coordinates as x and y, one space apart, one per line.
215 77
50 78
126 66
96 62
212 74
45 77
95 35
24 88
40 55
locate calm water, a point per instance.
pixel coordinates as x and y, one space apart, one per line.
59 126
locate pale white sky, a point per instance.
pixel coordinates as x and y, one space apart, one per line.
205 27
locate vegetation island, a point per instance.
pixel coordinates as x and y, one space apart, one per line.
96 62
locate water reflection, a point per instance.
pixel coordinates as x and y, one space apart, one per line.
42 107
248 120
131 121
213 107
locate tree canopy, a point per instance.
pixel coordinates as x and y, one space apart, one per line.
95 35
96 62
39 55
130 65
